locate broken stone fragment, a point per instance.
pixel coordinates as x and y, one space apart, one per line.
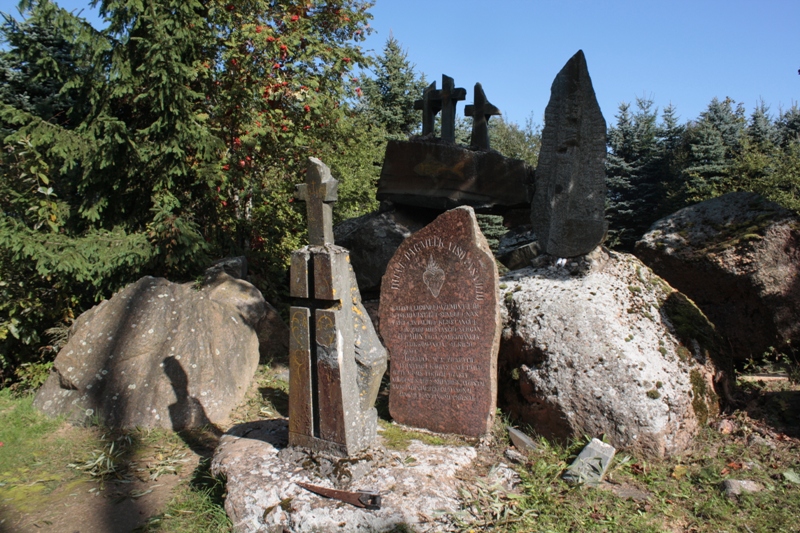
591 464
521 441
735 487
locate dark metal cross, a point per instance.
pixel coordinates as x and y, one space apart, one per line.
480 112
319 192
444 100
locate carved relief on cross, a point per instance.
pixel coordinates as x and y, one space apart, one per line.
480 112
318 192
444 100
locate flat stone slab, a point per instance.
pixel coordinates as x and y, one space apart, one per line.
440 321
419 486
442 176
591 464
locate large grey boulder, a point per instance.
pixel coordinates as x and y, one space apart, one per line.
568 209
602 346
738 257
161 354
372 240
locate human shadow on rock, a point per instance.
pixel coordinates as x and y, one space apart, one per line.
187 414
274 431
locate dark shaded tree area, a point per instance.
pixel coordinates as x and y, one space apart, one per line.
656 167
172 137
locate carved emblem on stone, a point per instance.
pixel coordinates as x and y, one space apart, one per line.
433 277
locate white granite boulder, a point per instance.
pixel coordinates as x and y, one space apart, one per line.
602 346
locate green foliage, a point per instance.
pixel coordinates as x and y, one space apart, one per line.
514 141
639 169
654 169
492 228
173 136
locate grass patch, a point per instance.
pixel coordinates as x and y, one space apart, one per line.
34 454
196 508
399 438
683 493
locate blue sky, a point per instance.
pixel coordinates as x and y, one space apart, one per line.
683 52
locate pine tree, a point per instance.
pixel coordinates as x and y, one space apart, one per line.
713 144
390 95
788 126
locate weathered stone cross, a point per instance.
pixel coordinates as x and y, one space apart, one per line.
319 192
331 394
430 107
480 112
445 101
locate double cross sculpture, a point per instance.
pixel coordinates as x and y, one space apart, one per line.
445 100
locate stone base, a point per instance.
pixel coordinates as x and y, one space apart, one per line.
445 176
419 487
369 424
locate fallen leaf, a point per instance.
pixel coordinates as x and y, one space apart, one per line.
792 477
636 468
724 472
679 471
735 466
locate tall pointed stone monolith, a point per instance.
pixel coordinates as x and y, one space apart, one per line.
568 209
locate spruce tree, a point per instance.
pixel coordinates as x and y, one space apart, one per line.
390 95
634 191
713 144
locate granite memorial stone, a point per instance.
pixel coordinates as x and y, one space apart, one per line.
440 321
568 209
336 360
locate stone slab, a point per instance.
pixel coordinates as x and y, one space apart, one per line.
441 176
521 441
591 464
421 486
440 322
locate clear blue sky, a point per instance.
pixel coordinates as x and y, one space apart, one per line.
682 51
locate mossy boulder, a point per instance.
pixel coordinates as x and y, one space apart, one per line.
737 257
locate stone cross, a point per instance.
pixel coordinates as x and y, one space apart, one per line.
319 192
430 107
480 112
335 358
444 100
